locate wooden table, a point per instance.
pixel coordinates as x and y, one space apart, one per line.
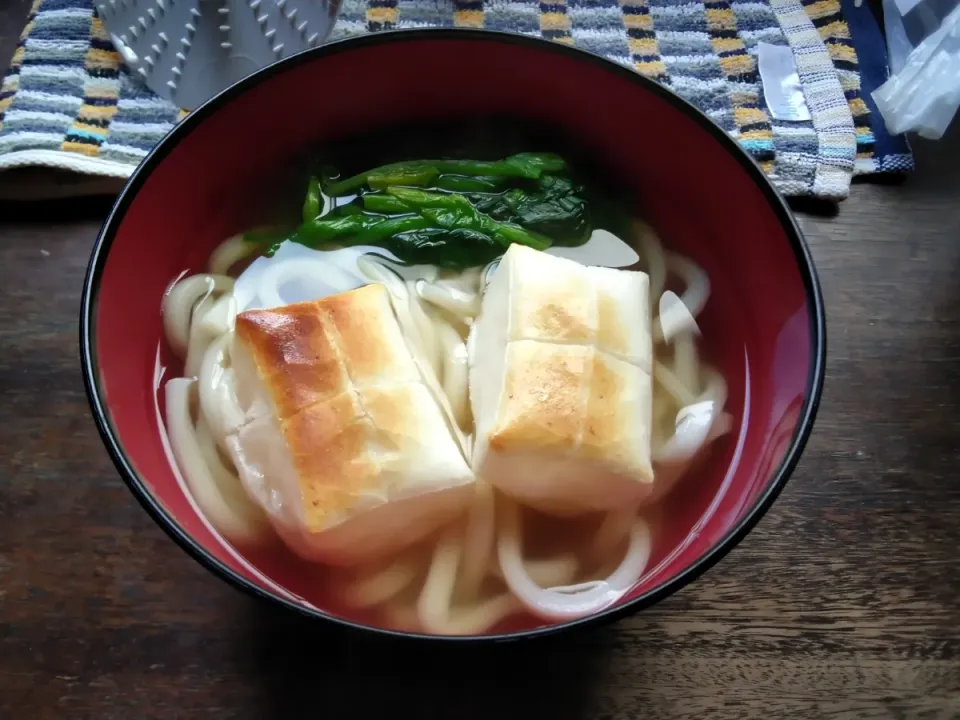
843 603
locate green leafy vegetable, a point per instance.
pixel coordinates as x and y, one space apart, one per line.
379 203
420 173
349 209
556 209
355 228
369 229
421 199
417 176
449 213
313 202
467 184
380 228
455 249
328 228
533 165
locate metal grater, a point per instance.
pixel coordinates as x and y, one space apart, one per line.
189 50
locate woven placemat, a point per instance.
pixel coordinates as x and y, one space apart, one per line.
67 104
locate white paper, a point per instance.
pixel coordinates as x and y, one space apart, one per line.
781 83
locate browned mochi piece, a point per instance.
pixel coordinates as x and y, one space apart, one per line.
343 445
560 384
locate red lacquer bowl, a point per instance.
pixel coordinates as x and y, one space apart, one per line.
763 325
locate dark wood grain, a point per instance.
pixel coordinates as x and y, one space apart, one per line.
13 14
843 603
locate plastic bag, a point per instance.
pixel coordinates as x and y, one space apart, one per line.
923 45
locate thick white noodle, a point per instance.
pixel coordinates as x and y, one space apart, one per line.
217 389
487 274
482 616
223 503
212 316
229 253
455 373
613 531
546 572
674 319
478 540
178 304
572 601
462 305
404 301
418 333
695 423
273 275
200 336
434 610
433 606
698 419
282 272
225 477
652 252
221 317
686 362
381 586
472 556
667 380
695 279
467 280
426 328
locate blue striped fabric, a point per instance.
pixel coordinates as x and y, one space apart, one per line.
892 152
66 101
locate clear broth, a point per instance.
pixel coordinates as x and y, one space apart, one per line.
671 518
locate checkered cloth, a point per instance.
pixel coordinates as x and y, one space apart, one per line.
67 103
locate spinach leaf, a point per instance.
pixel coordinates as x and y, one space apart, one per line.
450 213
455 249
467 184
421 173
556 208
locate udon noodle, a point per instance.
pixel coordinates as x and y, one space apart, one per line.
478 570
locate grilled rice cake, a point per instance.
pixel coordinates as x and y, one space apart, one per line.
343 445
561 386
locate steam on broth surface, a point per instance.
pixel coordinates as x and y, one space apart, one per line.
456 385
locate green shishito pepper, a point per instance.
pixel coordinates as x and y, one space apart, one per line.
420 173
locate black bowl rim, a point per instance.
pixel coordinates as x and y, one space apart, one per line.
802 254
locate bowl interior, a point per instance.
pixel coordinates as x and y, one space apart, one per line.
224 170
